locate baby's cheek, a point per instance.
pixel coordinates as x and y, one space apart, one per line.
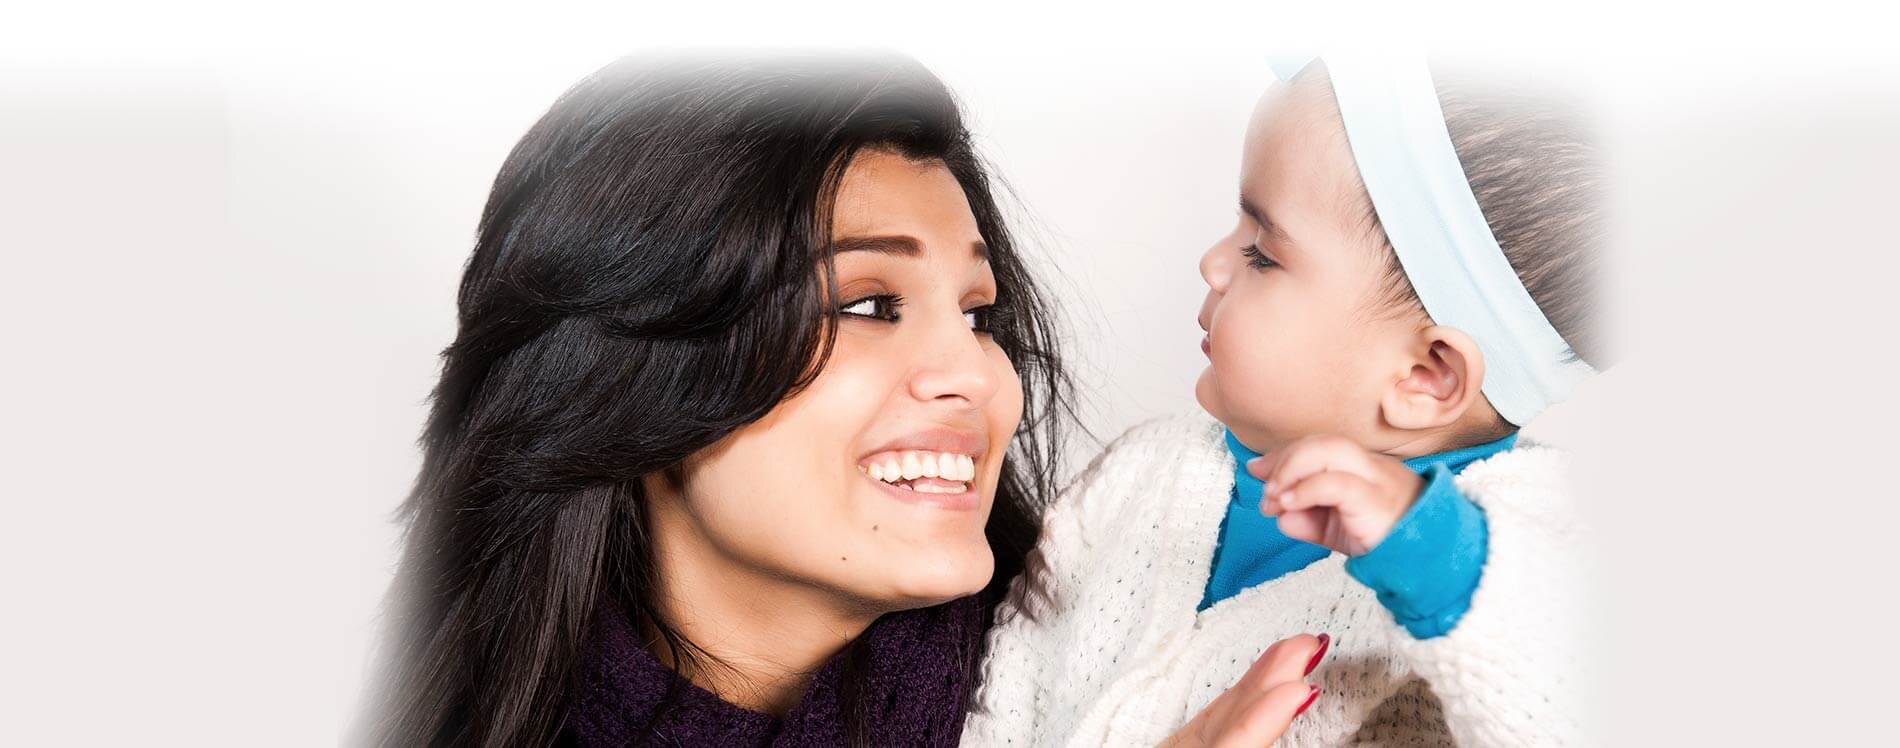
1245 359
1208 396
1249 378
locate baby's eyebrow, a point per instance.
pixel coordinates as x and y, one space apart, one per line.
1259 217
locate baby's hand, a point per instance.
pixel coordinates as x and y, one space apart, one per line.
1330 491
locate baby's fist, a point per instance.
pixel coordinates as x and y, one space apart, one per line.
1330 491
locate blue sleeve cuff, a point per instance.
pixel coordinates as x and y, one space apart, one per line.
1428 566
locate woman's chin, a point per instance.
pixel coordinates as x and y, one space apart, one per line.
942 576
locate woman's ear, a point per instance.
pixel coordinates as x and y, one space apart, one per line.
1444 382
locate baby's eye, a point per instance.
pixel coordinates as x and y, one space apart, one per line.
882 307
1256 258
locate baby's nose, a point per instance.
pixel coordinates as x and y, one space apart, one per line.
1216 268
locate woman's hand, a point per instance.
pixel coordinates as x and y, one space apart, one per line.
1263 704
1329 491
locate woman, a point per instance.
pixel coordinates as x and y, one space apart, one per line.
722 452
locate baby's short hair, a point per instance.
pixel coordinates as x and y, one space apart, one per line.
1532 162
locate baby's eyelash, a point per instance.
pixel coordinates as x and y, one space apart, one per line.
1257 258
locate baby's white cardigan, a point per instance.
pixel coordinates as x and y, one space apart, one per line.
1112 651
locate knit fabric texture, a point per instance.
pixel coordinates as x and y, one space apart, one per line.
916 692
1100 643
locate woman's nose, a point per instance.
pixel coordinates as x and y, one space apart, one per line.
955 366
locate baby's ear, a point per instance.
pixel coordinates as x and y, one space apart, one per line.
1445 381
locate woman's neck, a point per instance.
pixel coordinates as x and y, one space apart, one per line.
767 636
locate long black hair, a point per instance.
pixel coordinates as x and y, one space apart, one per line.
651 273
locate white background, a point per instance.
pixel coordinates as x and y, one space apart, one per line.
231 244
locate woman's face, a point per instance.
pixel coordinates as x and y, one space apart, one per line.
875 482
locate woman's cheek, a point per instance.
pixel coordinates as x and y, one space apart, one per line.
1007 405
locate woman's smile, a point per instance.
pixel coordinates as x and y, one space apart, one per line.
956 495
936 466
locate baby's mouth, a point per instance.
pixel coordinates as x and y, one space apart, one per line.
922 471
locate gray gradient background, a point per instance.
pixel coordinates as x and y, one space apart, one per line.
226 280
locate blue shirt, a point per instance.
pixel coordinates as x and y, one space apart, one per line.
1424 571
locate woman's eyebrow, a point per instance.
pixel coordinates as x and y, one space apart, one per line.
902 246
897 244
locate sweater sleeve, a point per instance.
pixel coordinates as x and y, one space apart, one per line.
1044 667
1427 567
1507 674
1012 698
1010 694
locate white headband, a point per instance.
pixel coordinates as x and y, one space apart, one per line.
1405 157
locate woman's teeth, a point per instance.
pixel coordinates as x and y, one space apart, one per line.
923 472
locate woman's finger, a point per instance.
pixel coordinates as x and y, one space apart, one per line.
1256 710
1266 717
1286 660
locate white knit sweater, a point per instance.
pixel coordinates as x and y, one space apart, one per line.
1100 643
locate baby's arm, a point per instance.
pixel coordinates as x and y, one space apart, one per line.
1482 575
1428 566
1507 673
1045 672
1013 703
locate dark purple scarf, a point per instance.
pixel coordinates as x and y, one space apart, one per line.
921 665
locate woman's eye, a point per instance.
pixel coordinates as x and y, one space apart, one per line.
1256 258
981 317
880 307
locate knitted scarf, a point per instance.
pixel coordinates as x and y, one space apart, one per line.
921 669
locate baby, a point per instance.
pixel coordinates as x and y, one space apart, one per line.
1409 281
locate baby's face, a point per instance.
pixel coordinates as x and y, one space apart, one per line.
1300 341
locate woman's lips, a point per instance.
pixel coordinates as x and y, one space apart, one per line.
935 466
964 441
1207 346
962 501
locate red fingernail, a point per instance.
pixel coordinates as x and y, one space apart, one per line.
1308 702
1325 640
